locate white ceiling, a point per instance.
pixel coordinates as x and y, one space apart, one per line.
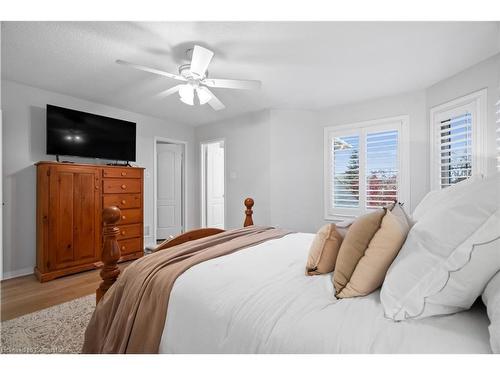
302 65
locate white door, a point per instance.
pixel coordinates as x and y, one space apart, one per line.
215 185
169 190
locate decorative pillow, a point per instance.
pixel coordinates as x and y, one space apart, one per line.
354 246
324 250
491 299
436 198
449 255
371 268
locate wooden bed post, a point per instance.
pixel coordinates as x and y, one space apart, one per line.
110 250
248 213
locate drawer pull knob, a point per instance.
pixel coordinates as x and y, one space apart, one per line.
124 186
124 233
124 173
123 248
123 201
124 217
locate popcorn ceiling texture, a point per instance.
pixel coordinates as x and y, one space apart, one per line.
302 65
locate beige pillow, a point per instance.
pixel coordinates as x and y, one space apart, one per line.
354 246
370 271
324 250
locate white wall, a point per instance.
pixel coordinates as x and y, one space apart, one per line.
486 74
287 147
24 130
296 162
278 157
297 155
247 164
295 147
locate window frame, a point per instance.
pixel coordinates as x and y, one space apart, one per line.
476 102
399 123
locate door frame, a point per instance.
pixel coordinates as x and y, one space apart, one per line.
202 180
184 145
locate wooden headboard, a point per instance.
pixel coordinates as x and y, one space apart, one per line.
111 250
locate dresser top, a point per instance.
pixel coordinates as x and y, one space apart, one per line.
51 162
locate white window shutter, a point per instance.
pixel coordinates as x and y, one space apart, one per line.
455 149
346 171
382 169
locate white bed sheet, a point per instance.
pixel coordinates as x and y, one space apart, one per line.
258 300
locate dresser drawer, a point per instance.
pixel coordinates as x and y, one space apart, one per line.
122 200
133 245
131 216
130 231
113 185
122 173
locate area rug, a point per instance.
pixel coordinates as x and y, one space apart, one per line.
58 329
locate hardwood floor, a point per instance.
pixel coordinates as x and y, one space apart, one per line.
23 295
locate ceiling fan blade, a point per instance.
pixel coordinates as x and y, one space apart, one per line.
168 92
214 102
240 84
151 70
200 60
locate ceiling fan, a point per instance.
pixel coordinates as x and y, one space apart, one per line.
196 81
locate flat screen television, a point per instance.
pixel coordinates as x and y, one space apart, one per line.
75 133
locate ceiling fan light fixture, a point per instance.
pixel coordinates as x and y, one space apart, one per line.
195 81
186 94
203 96
186 101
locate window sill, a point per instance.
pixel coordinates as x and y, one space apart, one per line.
337 217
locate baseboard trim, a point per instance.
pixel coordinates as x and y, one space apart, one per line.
17 273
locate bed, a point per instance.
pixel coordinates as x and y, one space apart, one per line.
259 300
270 306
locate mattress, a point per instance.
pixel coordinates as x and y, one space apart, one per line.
259 300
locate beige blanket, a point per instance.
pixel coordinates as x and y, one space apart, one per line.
131 315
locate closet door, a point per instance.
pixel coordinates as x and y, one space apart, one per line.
74 216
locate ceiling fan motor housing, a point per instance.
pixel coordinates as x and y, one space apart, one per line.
185 71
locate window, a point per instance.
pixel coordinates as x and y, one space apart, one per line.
455 149
458 149
346 171
381 168
365 166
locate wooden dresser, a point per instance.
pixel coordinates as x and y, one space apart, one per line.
70 199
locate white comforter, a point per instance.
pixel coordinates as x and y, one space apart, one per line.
258 300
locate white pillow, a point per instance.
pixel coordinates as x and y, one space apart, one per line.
449 255
491 298
437 198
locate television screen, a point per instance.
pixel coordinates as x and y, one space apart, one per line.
75 133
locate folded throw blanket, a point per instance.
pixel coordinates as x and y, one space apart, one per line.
131 315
